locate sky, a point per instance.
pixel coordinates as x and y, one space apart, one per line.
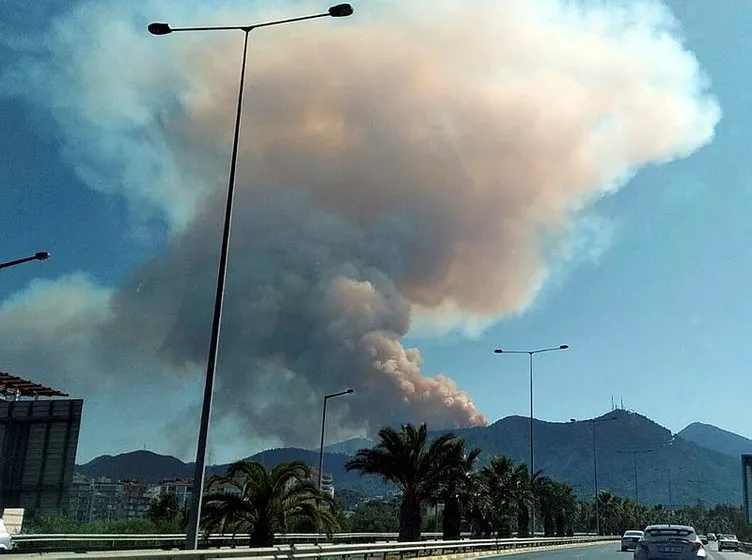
416 186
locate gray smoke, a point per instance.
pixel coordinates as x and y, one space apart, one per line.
389 168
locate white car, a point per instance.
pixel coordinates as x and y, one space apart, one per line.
630 539
727 542
678 542
6 543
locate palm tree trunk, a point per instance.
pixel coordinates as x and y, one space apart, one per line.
451 524
523 521
262 535
410 519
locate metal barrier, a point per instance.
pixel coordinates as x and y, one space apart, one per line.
334 551
105 541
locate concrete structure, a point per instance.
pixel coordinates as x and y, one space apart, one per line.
327 481
38 442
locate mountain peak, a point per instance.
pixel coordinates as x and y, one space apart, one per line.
717 439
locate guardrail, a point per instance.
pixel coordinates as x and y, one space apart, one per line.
106 541
333 551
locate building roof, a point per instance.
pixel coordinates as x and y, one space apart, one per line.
12 385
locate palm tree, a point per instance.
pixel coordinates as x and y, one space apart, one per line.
524 499
417 467
457 491
252 499
506 486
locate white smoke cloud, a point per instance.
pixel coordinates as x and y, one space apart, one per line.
415 159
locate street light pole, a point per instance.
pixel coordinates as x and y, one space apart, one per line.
323 427
594 421
530 354
634 468
40 256
340 10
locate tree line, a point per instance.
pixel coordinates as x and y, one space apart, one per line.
497 499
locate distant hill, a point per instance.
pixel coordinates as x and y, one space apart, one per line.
144 466
716 439
151 468
665 465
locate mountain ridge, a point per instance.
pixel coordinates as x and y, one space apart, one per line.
630 447
717 439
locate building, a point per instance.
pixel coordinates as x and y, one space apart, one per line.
102 499
182 488
38 440
327 481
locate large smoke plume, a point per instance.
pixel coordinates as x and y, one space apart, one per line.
411 160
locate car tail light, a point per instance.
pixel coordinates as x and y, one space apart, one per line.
642 543
695 545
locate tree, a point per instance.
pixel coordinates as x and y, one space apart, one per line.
417 467
164 508
500 486
375 516
252 499
457 491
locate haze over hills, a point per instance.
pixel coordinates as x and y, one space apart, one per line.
717 439
668 469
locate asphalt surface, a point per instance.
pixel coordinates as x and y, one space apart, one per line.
611 551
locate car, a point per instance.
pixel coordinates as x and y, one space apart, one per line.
703 539
630 539
678 542
711 536
727 542
6 543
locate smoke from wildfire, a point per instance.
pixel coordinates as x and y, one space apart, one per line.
407 161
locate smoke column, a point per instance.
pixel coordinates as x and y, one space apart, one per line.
410 161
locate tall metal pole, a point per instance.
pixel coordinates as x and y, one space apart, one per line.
155 28
532 454
191 542
531 466
595 484
634 466
670 497
321 446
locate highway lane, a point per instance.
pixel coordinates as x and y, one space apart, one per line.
610 551
713 553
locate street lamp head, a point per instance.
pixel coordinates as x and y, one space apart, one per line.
348 391
42 256
564 347
159 28
341 10
498 351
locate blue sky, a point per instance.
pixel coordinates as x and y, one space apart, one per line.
653 303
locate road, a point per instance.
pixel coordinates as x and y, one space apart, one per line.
609 551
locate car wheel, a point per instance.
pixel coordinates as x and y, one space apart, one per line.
623 548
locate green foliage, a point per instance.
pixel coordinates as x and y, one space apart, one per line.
64 525
621 514
165 508
375 516
417 466
252 499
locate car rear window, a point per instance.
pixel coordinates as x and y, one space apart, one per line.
669 532
633 534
